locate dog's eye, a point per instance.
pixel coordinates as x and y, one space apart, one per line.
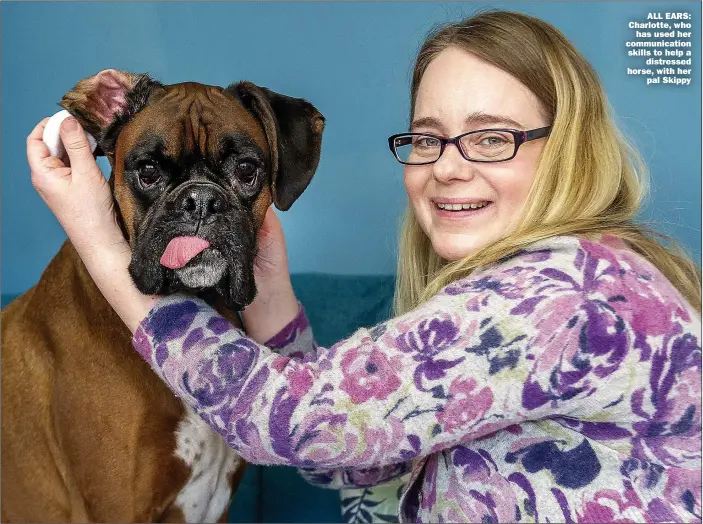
149 174
246 171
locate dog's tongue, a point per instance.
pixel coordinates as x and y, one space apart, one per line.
181 250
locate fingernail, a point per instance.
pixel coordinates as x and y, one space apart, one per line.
71 124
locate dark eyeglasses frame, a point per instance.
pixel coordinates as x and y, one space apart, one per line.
520 138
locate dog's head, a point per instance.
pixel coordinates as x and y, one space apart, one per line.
194 169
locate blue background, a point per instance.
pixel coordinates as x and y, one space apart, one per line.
353 61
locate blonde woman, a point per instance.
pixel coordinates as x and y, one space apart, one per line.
545 360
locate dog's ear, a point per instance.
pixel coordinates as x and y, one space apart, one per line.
293 128
103 103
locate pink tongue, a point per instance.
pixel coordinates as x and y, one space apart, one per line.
181 250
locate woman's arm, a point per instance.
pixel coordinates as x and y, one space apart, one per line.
522 342
296 341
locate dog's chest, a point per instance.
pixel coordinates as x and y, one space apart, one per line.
208 491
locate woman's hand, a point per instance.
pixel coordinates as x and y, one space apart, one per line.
74 188
275 304
76 191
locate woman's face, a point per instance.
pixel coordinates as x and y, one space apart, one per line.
459 93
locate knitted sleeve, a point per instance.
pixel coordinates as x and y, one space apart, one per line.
296 341
529 338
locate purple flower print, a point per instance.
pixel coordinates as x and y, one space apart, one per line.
586 338
215 381
431 337
685 485
465 405
368 373
609 505
300 380
433 370
172 321
142 344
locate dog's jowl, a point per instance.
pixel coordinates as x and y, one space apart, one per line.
89 432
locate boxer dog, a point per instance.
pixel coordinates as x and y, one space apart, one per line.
89 432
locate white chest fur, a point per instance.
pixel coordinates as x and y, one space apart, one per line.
205 496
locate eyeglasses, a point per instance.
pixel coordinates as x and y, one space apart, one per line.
484 145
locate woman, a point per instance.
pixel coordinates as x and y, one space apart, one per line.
545 360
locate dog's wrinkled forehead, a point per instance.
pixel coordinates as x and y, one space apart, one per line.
191 120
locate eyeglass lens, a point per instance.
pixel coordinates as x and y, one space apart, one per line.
481 145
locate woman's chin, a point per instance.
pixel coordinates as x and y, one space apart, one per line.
456 246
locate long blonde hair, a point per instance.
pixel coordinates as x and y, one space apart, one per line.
589 180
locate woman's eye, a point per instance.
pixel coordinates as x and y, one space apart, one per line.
149 174
493 140
427 141
246 171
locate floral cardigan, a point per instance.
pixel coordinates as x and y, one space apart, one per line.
561 384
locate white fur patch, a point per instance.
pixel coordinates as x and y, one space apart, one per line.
205 496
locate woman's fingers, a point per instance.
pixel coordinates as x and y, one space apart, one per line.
78 149
36 148
45 169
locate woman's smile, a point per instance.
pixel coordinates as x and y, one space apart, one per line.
453 209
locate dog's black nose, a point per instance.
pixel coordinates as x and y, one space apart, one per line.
201 201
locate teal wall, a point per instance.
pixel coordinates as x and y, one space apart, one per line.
352 60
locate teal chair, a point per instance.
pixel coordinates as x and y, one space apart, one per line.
336 306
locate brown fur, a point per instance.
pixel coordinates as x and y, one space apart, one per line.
77 400
73 380
88 429
202 108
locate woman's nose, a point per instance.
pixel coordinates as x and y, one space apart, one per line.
451 165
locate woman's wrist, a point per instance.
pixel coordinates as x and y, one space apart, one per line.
270 311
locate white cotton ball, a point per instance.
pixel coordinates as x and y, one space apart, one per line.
52 138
